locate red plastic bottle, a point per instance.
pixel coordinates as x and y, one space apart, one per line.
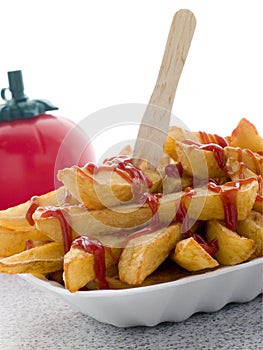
30 142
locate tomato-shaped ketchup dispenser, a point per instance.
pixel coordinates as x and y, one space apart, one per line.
31 142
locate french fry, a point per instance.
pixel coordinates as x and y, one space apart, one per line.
252 227
144 254
79 267
198 162
15 217
84 222
203 205
103 190
213 207
238 170
245 135
43 259
233 249
191 256
177 134
14 241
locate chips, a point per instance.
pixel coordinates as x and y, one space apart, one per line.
118 226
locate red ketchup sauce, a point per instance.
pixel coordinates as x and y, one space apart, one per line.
212 138
95 247
32 208
228 197
260 189
64 220
153 201
210 247
181 212
182 217
124 167
218 151
252 156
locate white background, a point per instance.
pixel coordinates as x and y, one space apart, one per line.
87 55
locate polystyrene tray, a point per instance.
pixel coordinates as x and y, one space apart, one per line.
171 301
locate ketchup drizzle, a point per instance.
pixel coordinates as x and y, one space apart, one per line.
254 159
152 199
64 220
213 147
218 153
93 246
124 167
252 156
210 247
210 138
181 212
182 217
32 208
228 197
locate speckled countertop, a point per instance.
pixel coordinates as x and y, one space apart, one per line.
33 319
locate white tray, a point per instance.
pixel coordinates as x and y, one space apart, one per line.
172 301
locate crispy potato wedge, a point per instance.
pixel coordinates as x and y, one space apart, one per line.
233 249
254 161
213 205
93 222
15 217
197 162
14 241
177 134
204 205
191 256
79 267
237 170
103 190
252 227
142 255
245 135
43 259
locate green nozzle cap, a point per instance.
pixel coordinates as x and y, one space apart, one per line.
19 106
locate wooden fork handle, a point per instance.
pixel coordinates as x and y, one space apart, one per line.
175 53
155 122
